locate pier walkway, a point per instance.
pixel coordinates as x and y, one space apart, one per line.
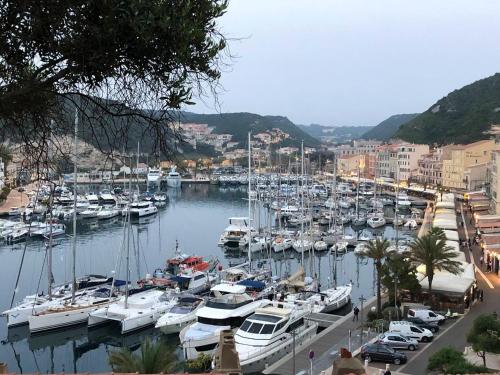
343 333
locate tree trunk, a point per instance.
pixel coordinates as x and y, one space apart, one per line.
430 277
379 297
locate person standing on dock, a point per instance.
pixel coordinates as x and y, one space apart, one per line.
356 313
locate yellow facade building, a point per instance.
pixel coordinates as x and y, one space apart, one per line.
465 166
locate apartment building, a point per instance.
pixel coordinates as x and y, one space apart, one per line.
408 156
466 165
399 160
430 166
348 165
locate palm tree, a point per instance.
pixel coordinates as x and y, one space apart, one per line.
431 251
377 250
152 359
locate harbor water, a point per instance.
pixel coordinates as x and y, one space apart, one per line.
195 217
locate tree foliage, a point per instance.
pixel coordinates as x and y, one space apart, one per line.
431 251
397 266
377 250
120 63
153 358
451 361
463 116
484 335
200 364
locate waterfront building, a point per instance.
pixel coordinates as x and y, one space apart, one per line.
430 167
465 167
348 165
288 150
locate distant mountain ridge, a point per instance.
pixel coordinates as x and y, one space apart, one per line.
387 128
462 116
340 133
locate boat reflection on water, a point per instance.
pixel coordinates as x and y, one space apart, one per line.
79 340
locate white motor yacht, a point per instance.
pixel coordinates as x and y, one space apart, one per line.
142 209
331 299
137 311
174 178
107 213
320 245
268 335
403 200
365 235
154 176
282 243
182 314
227 309
91 211
360 249
376 221
303 244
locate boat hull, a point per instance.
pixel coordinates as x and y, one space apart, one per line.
257 362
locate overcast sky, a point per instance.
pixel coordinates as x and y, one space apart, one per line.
353 62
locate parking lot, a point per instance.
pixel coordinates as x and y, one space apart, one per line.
422 346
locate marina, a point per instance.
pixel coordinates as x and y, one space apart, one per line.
200 208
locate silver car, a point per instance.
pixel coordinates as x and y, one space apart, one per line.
397 341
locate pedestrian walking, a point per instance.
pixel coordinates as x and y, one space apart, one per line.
481 295
481 260
356 313
490 266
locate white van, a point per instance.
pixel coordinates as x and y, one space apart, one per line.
427 316
409 329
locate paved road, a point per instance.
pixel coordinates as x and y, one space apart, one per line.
454 334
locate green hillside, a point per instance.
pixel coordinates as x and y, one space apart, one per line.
460 117
239 124
387 128
339 133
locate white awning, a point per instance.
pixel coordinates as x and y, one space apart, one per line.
451 235
446 282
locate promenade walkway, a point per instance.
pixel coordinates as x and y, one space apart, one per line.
455 334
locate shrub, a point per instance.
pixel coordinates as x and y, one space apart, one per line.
392 313
371 315
451 361
201 364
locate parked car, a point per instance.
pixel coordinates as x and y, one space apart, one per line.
382 353
428 316
433 327
397 341
410 330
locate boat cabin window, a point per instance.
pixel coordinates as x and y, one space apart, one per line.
266 318
199 277
255 328
280 325
180 309
267 329
292 327
232 322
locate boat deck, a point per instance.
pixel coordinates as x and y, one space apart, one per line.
326 345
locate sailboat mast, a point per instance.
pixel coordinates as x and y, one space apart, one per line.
73 265
302 203
357 191
127 266
396 207
249 202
